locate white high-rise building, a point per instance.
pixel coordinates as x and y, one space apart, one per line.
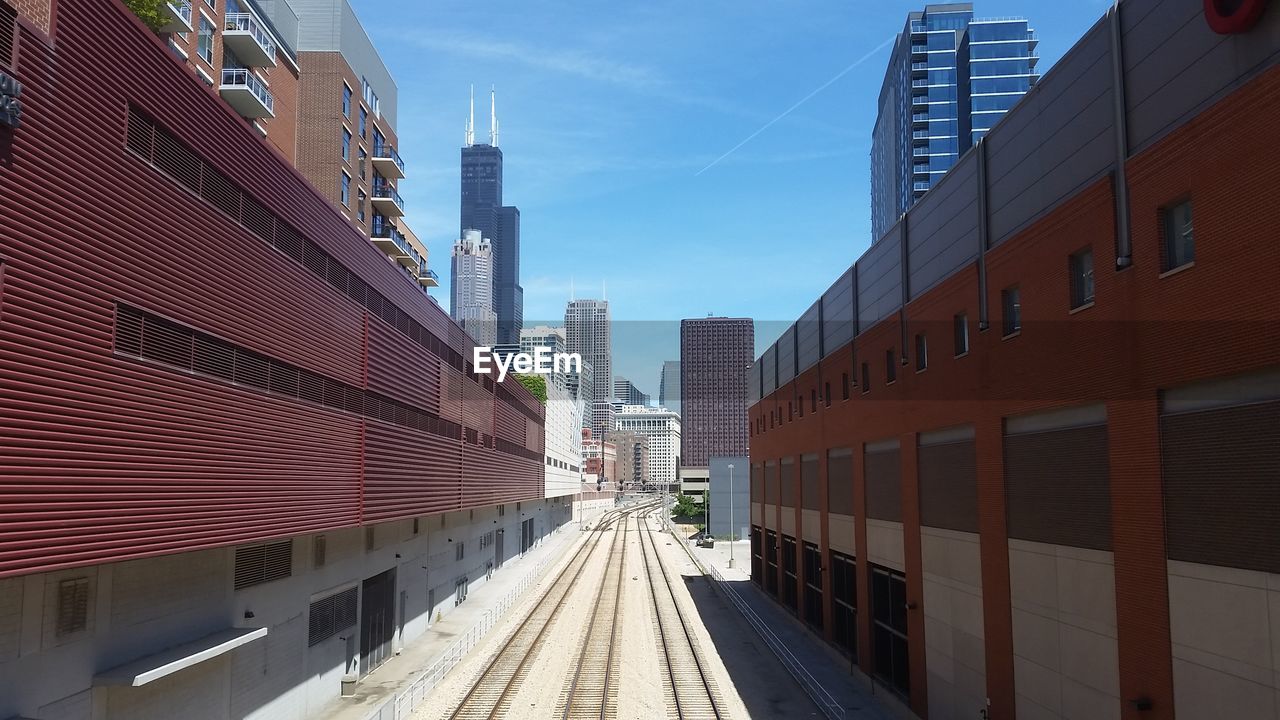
589 332
563 440
662 428
473 287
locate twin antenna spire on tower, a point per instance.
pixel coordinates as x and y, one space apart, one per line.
493 118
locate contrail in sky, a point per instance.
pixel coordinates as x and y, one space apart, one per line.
802 101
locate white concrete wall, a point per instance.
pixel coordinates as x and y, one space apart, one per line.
562 441
1065 658
811 526
955 656
788 522
139 608
842 538
1225 627
884 544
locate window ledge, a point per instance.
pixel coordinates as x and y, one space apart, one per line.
963 354
1175 271
1081 308
920 370
1011 335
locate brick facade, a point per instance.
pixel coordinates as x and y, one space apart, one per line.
1147 331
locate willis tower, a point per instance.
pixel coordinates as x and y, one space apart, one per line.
482 210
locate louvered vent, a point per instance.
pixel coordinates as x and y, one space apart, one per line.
258 564
140 135
215 357
174 158
166 342
331 615
73 606
128 339
221 192
252 369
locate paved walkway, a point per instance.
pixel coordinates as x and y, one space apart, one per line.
409 676
829 669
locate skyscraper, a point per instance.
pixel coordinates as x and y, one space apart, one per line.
950 78
472 286
588 332
669 386
626 392
482 209
715 355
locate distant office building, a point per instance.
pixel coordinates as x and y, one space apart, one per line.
589 332
661 427
627 393
482 208
633 457
599 457
472 285
669 386
545 336
950 78
715 356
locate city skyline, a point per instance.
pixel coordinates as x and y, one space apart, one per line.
612 127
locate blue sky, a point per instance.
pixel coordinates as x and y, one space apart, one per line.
611 111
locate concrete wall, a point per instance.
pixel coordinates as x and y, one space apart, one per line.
1225 628
955 653
721 499
1066 662
141 607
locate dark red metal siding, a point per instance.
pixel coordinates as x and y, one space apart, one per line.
105 457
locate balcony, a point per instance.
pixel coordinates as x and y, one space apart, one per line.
919 66
920 169
391 241
919 49
386 200
917 28
922 82
387 161
920 117
920 187
920 100
918 134
428 277
244 35
244 92
919 151
177 15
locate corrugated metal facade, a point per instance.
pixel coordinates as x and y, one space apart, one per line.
107 457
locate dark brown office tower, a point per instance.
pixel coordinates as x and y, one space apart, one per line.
715 355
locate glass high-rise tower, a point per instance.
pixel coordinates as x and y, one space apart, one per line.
950 78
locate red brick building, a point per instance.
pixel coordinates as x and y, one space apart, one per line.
1023 458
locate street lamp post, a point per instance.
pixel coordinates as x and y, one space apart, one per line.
731 532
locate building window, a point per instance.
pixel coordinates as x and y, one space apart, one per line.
826 394
204 40
844 386
1179 242
866 378
73 606
364 123
346 144
813 400
922 352
960 333
364 157
460 551
345 189
890 366
790 411
800 404
346 100
1011 303
1081 278
361 197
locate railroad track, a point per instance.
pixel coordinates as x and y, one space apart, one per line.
592 692
691 694
491 694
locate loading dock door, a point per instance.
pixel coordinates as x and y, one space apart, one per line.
377 619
